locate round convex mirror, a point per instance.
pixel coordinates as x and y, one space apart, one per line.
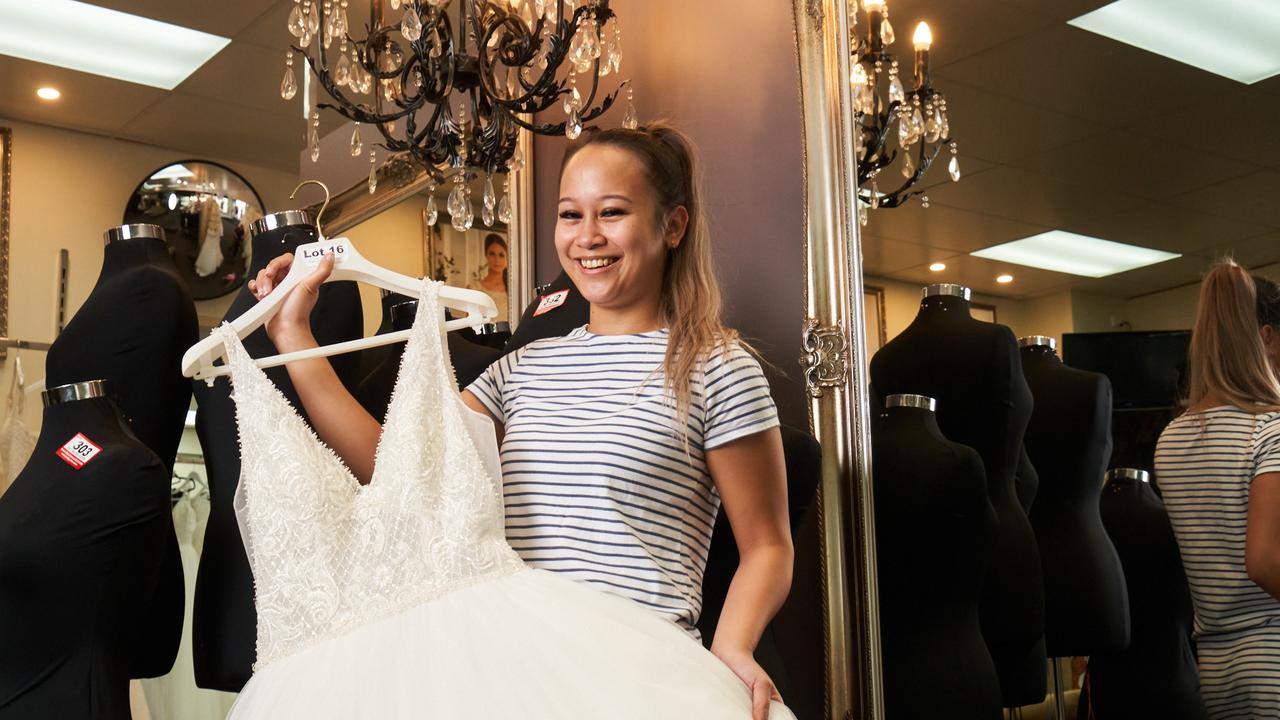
205 210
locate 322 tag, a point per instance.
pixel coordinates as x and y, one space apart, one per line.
78 451
551 302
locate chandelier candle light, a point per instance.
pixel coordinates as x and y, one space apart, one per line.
455 98
880 101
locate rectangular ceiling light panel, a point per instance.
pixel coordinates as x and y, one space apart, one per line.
104 42
1074 254
1238 39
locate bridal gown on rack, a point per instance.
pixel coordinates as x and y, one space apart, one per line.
402 598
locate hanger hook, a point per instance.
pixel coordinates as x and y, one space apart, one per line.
325 205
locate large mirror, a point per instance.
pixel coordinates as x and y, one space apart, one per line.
1074 124
205 209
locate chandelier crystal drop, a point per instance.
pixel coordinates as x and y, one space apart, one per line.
289 85
504 61
880 99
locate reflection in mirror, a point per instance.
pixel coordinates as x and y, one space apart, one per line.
1091 206
205 210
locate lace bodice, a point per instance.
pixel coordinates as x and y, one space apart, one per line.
329 554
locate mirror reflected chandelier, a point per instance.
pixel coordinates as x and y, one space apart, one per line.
892 120
450 84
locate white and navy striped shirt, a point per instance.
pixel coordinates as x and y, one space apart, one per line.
1205 465
596 479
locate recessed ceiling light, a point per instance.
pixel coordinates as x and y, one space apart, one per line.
938 267
48 93
1004 279
1074 254
96 40
1231 38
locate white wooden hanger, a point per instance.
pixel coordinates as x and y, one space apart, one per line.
349 264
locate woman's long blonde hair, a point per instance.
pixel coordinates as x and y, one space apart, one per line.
690 304
1228 362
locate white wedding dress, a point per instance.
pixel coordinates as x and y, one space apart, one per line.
402 598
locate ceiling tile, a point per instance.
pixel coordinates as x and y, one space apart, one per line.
225 17
1251 198
945 227
243 75
881 256
1027 197
1058 9
1175 228
88 102
1115 161
960 29
1252 252
1153 278
269 29
995 128
198 126
1086 76
1246 128
979 274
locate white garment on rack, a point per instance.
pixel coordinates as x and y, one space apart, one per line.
175 696
402 598
210 255
17 441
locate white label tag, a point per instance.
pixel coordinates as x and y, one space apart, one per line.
311 254
551 302
78 451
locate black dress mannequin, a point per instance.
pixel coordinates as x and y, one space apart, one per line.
224 623
132 331
1156 676
81 554
934 527
560 315
374 392
1069 443
972 369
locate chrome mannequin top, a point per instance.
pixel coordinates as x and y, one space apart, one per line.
284 218
1128 474
951 289
75 391
1038 341
913 401
132 232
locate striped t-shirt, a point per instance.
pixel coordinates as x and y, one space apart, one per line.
1205 465
597 482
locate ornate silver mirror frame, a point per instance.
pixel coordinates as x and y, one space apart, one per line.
399 178
835 363
6 182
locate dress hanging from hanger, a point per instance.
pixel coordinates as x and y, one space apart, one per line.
402 598
210 238
16 438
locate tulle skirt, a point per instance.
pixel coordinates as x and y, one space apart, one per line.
531 645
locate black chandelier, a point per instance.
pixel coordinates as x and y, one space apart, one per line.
455 98
880 101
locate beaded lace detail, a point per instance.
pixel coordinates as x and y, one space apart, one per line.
329 555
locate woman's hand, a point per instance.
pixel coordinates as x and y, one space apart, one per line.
290 328
744 665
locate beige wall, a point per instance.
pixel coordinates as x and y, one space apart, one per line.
67 188
392 239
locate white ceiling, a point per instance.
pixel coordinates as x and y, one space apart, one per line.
1061 128
1057 128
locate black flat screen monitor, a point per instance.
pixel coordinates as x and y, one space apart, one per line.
1146 369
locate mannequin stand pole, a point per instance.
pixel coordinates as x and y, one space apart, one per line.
1059 707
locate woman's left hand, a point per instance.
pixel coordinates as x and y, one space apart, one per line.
744 665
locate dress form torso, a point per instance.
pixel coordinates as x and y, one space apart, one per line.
223 618
934 527
81 552
1069 442
972 369
1156 675
132 331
